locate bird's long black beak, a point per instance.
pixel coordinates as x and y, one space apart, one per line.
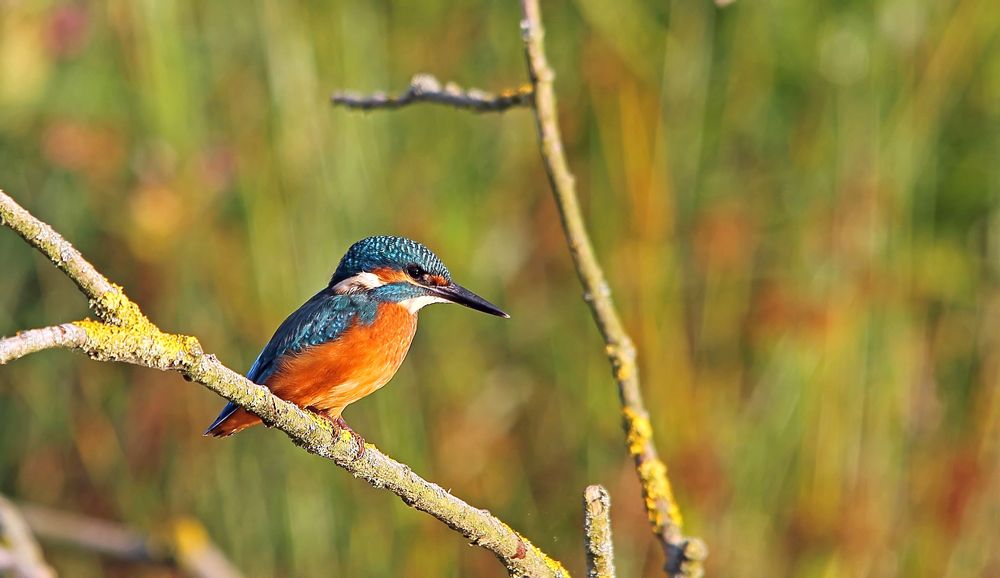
457 294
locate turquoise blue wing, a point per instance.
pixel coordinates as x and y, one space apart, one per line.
322 318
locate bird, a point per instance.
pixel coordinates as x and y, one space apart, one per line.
348 340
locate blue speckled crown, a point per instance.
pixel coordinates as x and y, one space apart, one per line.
385 251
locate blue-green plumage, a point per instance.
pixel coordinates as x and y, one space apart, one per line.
322 318
411 275
389 252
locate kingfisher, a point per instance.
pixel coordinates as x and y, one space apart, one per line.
349 339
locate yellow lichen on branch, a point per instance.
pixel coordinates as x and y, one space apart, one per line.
663 512
597 533
551 563
661 507
622 357
143 343
638 431
123 333
656 488
114 307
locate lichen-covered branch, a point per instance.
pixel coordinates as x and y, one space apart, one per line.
20 555
426 88
185 543
597 533
51 244
24 343
661 508
125 334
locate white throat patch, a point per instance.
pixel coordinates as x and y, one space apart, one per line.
417 303
361 282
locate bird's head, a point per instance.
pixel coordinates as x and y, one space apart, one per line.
402 271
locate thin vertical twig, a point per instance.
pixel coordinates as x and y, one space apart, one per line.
683 556
598 546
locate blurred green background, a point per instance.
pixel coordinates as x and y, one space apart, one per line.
796 203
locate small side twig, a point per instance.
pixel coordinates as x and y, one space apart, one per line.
21 555
597 533
24 343
426 88
184 545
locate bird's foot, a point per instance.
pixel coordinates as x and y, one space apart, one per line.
340 423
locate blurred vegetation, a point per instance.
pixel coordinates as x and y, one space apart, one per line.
796 202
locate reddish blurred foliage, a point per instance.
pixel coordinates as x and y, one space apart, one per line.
777 311
964 481
217 168
148 428
724 238
809 528
43 471
156 211
697 472
67 32
861 524
96 152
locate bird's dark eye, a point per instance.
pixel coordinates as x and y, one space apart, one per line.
415 271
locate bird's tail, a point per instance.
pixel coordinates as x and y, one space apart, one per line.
232 419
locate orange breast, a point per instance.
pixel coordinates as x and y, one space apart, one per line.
328 377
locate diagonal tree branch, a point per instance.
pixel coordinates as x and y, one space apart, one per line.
51 244
426 88
125 334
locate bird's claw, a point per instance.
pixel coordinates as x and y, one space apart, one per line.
360 441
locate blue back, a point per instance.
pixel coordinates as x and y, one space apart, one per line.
320 319
326 315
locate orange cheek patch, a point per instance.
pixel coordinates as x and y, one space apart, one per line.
437 280
387 275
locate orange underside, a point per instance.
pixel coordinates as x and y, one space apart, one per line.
327 378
